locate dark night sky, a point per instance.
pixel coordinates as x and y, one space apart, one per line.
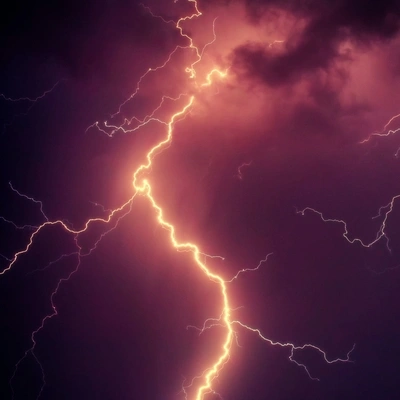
307 81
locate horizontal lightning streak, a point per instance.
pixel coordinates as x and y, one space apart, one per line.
29 99
294 348
381 234
67 228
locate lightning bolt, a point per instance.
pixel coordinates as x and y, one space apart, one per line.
30 100
142 186
384 211
385 132
381 235
239 174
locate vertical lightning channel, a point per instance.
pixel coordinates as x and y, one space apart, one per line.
143 187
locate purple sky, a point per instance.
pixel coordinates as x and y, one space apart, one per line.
306 83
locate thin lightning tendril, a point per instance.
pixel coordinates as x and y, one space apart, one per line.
380 235
383 212
38 229
293 348
385 132
143 187
239 174
29 100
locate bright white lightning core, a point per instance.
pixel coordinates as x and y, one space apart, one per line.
204 384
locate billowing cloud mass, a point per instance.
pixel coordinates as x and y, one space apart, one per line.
317 45
319 53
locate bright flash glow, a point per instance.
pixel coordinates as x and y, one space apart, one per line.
142 186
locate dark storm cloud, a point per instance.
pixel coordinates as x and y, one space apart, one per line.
316 47
82 36
362 17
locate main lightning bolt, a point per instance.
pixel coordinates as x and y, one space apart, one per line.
142 186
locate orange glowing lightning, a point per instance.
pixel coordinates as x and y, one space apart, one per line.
145 188
142 186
